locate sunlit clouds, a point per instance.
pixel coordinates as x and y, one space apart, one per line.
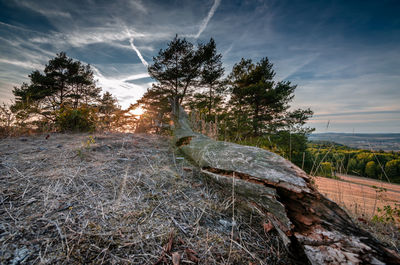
125 91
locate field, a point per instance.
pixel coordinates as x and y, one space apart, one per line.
361 196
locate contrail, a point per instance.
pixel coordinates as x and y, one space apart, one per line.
207 19
134 47
138 52
131 42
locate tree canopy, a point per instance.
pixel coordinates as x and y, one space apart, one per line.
64 83
190 75
65 97
247 106
258 103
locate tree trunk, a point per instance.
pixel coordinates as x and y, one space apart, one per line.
255 120
313 228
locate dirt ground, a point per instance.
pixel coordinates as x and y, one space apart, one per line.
119 199
358 194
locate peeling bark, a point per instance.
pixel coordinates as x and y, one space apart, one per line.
312 227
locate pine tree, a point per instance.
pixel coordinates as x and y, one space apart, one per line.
176 69
181 72
108 106
64 84
258 103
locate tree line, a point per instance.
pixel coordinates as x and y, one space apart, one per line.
246 106
331 159
64 97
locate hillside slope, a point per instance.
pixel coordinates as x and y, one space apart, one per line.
120 199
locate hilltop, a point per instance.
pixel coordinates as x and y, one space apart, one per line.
120 199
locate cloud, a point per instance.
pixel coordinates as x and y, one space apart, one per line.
126 92
358 113
228 50
139 6
17 27
340 62
39 9
135 77
25 64
287 67
204 24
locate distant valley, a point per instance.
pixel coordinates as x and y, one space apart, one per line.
379 141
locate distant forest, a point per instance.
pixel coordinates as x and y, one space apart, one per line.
330 159
246 106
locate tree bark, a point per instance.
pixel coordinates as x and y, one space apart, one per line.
313 228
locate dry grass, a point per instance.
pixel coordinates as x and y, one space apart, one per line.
125 199
361 199
358 194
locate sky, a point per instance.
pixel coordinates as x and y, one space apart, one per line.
344 56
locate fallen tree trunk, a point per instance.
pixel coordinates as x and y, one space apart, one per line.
313 227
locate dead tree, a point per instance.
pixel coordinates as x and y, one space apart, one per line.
313 228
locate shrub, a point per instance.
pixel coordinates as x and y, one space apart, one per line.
326 169
82 119
388 214
371 169
393 168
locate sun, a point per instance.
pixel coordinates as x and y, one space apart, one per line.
137 112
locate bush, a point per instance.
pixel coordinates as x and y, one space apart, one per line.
388 214
371 169
326 170
393 168
82 119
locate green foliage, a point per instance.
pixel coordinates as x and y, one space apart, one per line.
84 149
209 100
6 121
248 107
259 104
388 214
188 75
371 169
81 119
393 168
65 84
177 69
65 97
110 114
325 169
346 160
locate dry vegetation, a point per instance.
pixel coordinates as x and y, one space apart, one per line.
359 194
362 197
120 199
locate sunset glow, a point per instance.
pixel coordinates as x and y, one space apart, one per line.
138 111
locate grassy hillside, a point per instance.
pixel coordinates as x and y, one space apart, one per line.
120 199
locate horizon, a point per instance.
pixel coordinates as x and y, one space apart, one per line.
344 56
351 133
